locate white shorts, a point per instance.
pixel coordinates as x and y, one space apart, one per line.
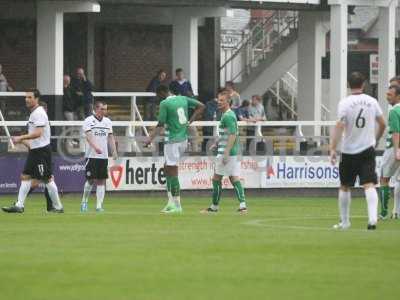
389 163
232 168
173 153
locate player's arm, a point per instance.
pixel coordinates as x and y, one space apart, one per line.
381 127
162 119
36 133
336 137
394 123
231 126
198 109
111 142
90 140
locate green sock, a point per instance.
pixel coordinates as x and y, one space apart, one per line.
168 179
239 191
217 188
384 195
175 187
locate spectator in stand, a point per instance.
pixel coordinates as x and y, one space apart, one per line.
69 105
151 103
181 86
242 112
82 91
235 97
4 86
256 113
211 113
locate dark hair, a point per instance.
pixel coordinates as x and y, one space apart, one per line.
97 103
231 83
395 78
222 90
162 89
396 88
178 70
35 92
245 103
356 80
160 72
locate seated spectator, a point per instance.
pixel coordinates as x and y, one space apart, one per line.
235 97
256 114
242 112
151 102
82 91
69 105
211 113
4 86
180 85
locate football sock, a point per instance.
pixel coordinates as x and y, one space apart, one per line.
239 191
53 193
87 189
396 205
372 203
175 190
216 196
344 206
100 192
384 192
49 204
170 199
23 192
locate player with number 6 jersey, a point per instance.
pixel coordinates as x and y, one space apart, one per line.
174 117
358 117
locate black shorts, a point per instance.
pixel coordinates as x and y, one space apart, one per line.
361 164
96 168
38 164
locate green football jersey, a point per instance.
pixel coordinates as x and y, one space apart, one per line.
175 117
394 124
228 126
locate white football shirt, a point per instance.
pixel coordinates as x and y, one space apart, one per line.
358 113
100 130
38 118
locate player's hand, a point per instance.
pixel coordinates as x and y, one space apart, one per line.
98 150
16 139
333 157
213 147
398 154
225 159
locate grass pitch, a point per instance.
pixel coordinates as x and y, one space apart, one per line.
283 249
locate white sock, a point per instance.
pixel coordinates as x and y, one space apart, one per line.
100 192
53 193
87 189
177 200
242 205
23 192
170 198
372 202
214 207
396 205
344 206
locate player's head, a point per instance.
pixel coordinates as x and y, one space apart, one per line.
161 75
98 109
256 99
395 81
80 73
179 74
163 92
393 94
43 104
32 98
356 81
224 99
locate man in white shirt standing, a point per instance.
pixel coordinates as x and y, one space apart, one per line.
38 165
99 134
358 115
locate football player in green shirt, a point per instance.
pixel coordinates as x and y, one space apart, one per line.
174 118
227 162
391 156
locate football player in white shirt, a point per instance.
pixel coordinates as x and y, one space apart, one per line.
38 165
358 115
99 134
